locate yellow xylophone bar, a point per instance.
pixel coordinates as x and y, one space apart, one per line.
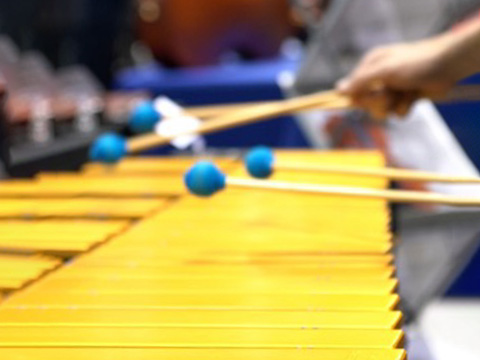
156 246
189 354
225 272
241 285
80 208
204 233
212 266
310 213
278 220
220 301
72 185
199 318
17 271
49 336
10 262
197 236
336 274
18 228
272 240
56 236
216 261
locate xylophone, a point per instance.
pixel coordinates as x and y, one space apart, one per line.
122 263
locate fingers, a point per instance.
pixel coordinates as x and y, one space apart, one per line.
377 86
381 104
369 72
377 103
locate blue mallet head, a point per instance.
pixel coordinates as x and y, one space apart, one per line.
108 148
144 118
204 179
259 162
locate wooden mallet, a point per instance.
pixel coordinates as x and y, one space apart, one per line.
260 163
205 179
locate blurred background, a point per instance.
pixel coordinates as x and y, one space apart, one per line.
72 69
87 63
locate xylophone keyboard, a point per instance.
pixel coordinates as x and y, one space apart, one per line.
123 264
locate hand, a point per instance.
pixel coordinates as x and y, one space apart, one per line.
392 78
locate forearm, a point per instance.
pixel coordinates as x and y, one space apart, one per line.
461 57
